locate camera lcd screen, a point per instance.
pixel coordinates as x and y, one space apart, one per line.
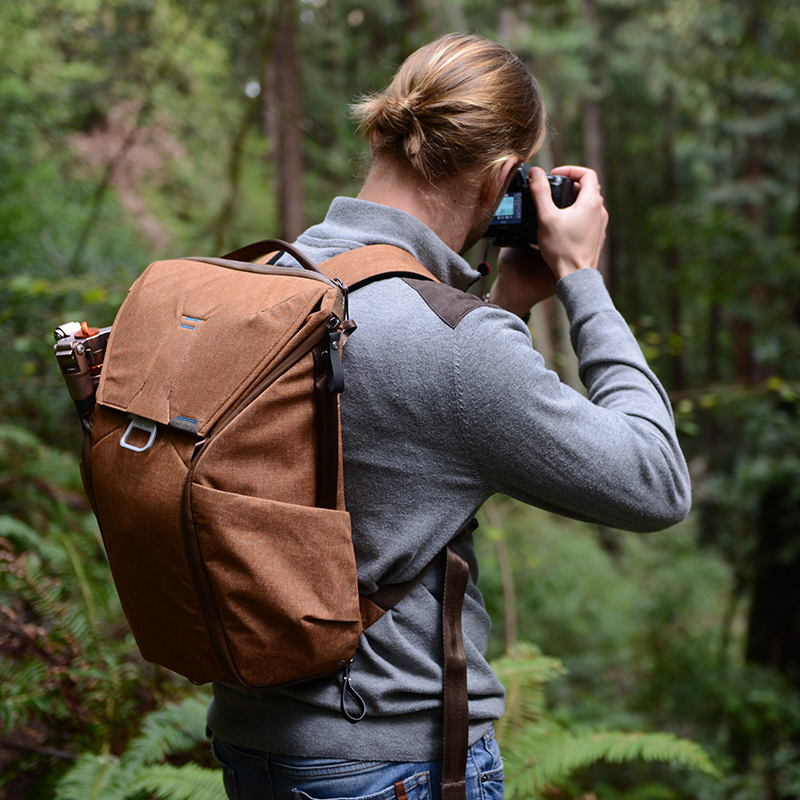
510 209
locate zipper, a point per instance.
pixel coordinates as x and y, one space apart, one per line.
208 605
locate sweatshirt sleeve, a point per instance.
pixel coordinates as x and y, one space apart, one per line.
611 457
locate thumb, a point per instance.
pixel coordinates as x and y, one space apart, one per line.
540 188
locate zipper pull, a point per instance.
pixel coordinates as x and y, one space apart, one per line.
347 688
335 369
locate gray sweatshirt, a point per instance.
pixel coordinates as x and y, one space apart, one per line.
446 403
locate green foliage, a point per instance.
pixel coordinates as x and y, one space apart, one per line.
541 754
140 772
71 676
126 134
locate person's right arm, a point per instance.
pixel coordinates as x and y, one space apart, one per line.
569 239
612 457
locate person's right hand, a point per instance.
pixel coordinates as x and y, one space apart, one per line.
569 238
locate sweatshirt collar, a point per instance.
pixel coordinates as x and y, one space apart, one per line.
352 223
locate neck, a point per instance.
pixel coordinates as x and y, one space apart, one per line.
448 210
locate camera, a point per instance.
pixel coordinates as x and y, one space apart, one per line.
79 350
514 223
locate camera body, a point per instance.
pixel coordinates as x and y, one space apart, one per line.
514 223
79 351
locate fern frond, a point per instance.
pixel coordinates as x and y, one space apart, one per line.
84 588
77 624
26 538
93 777
559 757
40 589
527 662
189 782
174 729
22 694
17 440
525 673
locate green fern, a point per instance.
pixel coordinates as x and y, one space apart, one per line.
189 782
173 729
560 756
526 661
27 539
139 772
22 696
541 754
94 777
68 664
19 441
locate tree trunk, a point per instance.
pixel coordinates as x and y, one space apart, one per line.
673 254
774 623
282 123
593 123
773 636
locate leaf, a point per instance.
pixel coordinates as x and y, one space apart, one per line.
560 757
189 782
174 729
93 777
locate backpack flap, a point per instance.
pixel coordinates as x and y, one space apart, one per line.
192 338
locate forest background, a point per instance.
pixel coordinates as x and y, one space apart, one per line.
136 129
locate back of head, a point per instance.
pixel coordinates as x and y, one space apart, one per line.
459 103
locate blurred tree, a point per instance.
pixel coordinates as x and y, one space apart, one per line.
283 111
736 237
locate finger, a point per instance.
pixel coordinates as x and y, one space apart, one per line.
583 175
540 190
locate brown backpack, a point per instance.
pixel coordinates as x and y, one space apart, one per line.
212 459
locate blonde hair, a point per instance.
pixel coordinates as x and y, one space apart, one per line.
459 102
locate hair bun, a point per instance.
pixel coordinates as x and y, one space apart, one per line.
456 103
394 117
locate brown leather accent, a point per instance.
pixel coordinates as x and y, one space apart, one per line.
388 595
456 698
370 613
400 790
451 305
256 250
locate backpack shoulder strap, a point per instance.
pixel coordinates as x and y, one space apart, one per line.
374 262
355 268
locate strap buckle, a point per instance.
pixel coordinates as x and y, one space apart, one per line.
141 424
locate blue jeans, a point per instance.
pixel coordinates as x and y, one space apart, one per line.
252 775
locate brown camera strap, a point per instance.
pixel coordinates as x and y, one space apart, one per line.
456 698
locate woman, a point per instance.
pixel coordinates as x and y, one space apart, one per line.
447 403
